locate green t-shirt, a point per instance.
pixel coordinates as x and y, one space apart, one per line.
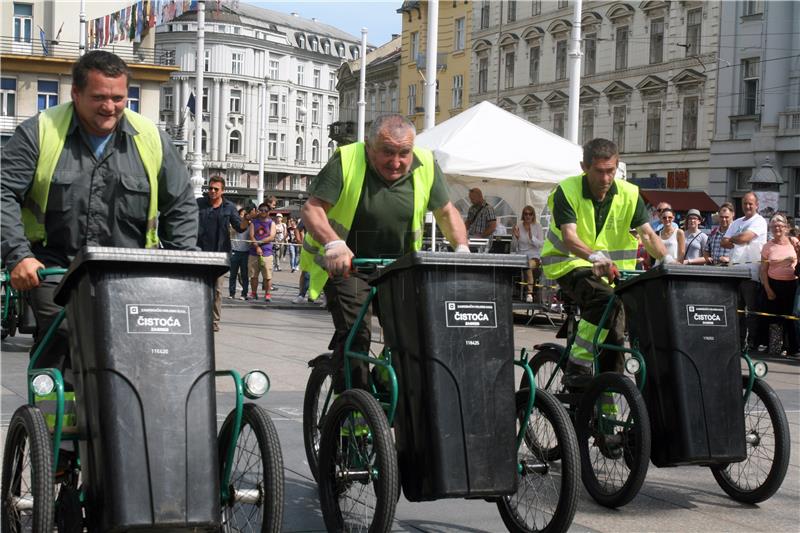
564 214
382 224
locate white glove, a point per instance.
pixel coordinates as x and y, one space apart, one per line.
338 258
462 249
601 264
667 259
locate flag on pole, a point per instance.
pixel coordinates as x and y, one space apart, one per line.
43 39
191 103
139 20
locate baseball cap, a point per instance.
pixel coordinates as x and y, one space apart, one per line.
279 215
694 212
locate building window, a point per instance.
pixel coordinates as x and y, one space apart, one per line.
562 4
536 7
656 41
330 113
331 149
414 45
282 146
483 74
207 61
301 75
23 22
317 77
8 97
618 128
510 70
485 14
205 100
694 19
272 146
511 13
372 106
653 126
621 57
412 98
203 141
300 105
237 61
314 44
167 57
314 151
689 139
458 91
382 102
740 177
561 60
274 66
236 101
298 150
533 64
273 106
587 125
284 107
393 99
326 47
558 123
48 94
235 142
751 7
134 93
331 81
315 110
460 34
750 79
589 54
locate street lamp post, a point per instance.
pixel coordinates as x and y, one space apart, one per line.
362 84
197 164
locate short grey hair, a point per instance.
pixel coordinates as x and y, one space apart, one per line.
391 124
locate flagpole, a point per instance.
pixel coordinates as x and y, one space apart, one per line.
82 29
197 164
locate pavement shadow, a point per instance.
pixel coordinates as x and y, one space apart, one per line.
436 527
301 505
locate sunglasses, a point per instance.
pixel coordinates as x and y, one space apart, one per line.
214 188
527 214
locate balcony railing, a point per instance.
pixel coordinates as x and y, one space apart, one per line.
69 50
9 124
789 123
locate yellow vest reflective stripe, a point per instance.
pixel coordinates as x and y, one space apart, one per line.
340 215
54 124
615 237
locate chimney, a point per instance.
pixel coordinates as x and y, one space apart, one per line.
294 14
395 36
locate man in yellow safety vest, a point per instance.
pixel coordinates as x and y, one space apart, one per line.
370 201
88 172
588 238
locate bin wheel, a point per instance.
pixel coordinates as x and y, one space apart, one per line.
547 489
255 500
614 439
27 480
761 474
317 401
358 477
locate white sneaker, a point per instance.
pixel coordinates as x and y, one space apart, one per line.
299 299
322 301
529 298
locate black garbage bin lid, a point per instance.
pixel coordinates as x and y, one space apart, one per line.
686 271
450 259
208 263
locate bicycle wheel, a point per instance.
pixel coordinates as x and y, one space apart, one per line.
256 483
316 402
760 475
547 489
614 439
27 479
358 478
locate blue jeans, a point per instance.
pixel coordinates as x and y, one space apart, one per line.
294 256
238 268
305 280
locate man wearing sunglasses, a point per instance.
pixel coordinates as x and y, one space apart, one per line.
215 216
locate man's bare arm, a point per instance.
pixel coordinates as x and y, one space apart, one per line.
452 225
315 218
652 242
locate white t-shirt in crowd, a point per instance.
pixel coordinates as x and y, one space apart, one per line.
750 253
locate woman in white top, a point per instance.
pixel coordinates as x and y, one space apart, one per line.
695 239
672 237
529 238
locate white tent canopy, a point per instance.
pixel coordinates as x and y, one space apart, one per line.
512 161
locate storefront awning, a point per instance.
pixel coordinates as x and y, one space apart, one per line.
681 200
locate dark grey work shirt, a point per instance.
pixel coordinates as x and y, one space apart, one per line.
100 202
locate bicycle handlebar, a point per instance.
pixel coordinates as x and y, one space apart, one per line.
43 273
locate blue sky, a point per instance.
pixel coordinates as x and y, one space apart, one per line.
378 16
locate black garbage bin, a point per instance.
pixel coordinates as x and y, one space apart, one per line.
448 319
685 320
143 355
